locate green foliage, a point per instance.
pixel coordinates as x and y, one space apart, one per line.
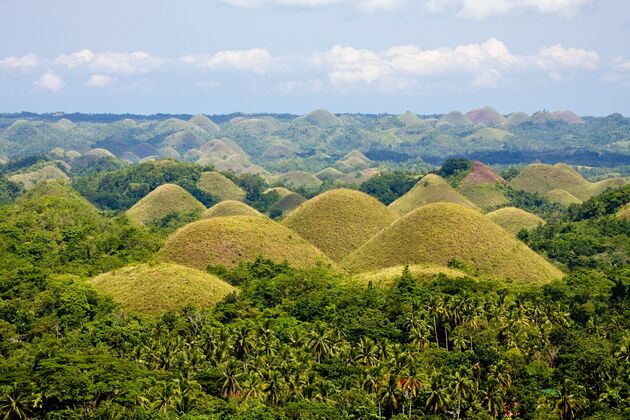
604 204
454 166
388 187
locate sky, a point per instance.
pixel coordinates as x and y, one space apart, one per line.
370 56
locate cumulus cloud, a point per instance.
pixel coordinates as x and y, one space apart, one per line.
111 62
481 9
50 81
27 61
257 60
100 80
556 58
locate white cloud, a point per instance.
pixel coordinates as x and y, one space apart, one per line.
257 60
481 9
27 61
556 58
619 71
111 62
100 80
50 81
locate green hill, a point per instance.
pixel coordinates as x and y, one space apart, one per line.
329 173
624 212
163 201
340 221
454 118
228 241
220 186
411 119
230 208
430 189
289 202
541 178
562 197
205 123
299 179
321 118
156 289
29 179
489 135
354 159
443 232
513 219
516 118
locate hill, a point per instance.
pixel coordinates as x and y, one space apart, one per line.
482 173
483 186
486 115
411 119
562 197
516 118
220 186
228 241
541 178
288 202
489 135
624 212
454 118
340 221
156 289
568 117
514 220
386 277
163 201
205 123
29 179
354 159
230 208
443 232
329 173
299 179
430 189
321 118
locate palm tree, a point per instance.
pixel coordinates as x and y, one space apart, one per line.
410 383
461 387
437 399
275 388
243 344
231 380
320 342
366 352
14 404
186 395
568 406
389 394
492 399
434 305
460 342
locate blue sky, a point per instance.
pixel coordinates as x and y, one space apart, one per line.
220 56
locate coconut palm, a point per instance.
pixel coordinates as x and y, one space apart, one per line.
14 404
438 397
365 352
231 380
461 387
568 406
320 342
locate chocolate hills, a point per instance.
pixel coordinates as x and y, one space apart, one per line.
514 220
230 208
340 221
164 200
443 232
228 241
430 189
220 186
155 289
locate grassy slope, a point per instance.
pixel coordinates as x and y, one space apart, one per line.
220 186
230 208
30 179
164 200
441 232
387 277
340 221
228 241
289 202
562 197
624 212
513 219
297 179
486 196
155 289
430 189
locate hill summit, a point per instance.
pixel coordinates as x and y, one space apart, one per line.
164 200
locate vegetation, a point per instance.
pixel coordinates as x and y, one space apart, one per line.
340 221
444 233
388 187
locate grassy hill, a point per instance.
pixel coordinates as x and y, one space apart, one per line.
329 173
515 119
454 118
411 119
321 118
163 201
298 179
483 187
288 202
562 197
387 277
340 221
156 289
541 178
205 123
430 189
513 219
442 232
220 186
486 115
227 241
230 208
29 179
624 212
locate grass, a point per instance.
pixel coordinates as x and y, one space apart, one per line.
624 212
163 201
444 232
230 208
411 119
289 202
455 118
30 179
321 118
281 191
278 151
430 189
541 178
340 221
228 241
388 276
354 159
155 289
485 115
98 153
329 173
220 186
513 219
299 179
204 122
562 197
489 135
516 118
486 196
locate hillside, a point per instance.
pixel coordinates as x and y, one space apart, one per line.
163 201
624 212
514 220
230 208
227 241
298 179
29 179
340 221
288 202
442 232
156 289
220 186
430 189
486 115
387 277
562 197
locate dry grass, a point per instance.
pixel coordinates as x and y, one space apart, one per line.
513 219
439 233
340 221
220 186
299 179
164 200
289 202
540 178
388 276
230 208
205 123
281 191
354 159
45 173
329 173
156 289
486 196
430 189
485 115
562 197
227 241
624 212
